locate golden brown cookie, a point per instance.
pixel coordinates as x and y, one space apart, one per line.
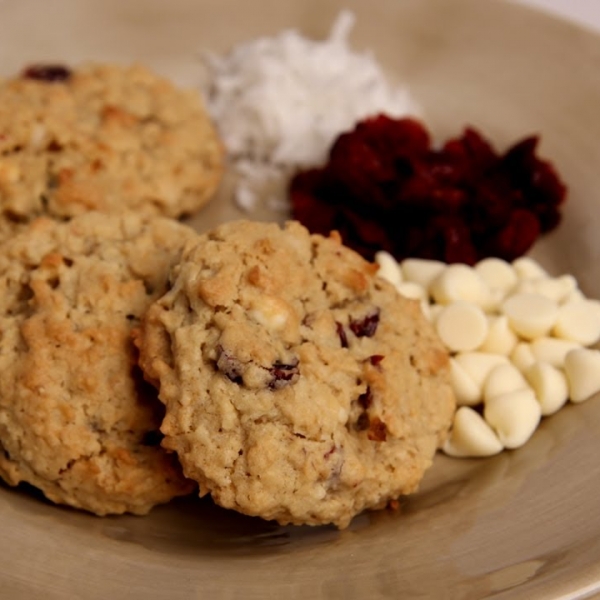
77 420
298 385
106 138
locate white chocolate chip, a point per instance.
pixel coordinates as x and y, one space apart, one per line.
388 267
466 391
550 386
37 138
574 295
525 286
497 274
557 288
502 380
513 416
582 368
410 289
434 311
552 350
513 329
478 365
471 435
421 271
460 282
342 415
270 312
530 315
522 356
319 491
501 339
579 321
494 302
527 268
462 326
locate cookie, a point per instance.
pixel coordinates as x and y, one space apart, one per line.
298 385
9 228
106 138
77 419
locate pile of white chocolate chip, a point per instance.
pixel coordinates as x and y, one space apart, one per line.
520 344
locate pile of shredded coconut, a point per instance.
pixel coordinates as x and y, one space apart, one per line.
280 102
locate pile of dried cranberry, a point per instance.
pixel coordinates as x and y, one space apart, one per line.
386 188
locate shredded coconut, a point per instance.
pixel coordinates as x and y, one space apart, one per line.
279 103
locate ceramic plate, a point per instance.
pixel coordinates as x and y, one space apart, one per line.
524 524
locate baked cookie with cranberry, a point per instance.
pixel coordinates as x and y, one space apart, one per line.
103 137
298 385
77 419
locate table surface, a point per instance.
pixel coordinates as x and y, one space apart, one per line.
584 12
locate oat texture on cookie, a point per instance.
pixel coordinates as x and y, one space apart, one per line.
102 137
298 385
77 419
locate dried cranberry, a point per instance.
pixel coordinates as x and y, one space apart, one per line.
362 423
470 154
538 179
455 241
283 374
230 366
48 73
350 150
376 359
367 326
398 138
341 334
517 236
318 217
329 452
54 146
385 187
377 430
366 399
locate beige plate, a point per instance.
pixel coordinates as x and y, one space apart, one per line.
524 524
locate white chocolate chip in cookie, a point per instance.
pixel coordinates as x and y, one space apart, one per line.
270 312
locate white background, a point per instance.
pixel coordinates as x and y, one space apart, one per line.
585 12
